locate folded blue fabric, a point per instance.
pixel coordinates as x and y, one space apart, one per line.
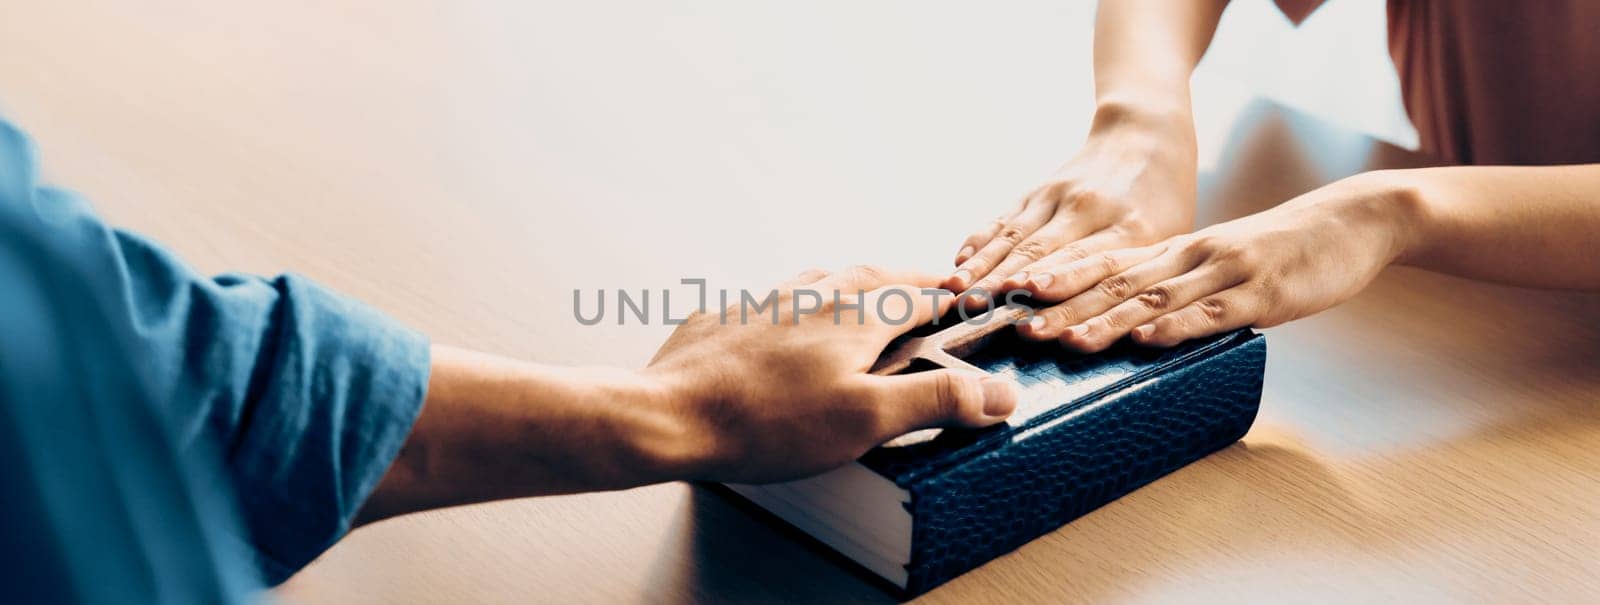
172 437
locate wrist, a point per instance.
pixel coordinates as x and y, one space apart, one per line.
1165 115
1162 132
653 425
1388 203
1400 201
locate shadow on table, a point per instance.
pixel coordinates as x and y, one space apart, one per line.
740 555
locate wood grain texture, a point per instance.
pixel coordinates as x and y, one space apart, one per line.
467 166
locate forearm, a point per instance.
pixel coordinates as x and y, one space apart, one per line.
745 403
1529 226
1144 52
494 428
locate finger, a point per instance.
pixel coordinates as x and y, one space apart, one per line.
805 278
939 398
1106 293
1049 238
981 237
1078 265
1230 310
1015 230
861 278
898 309
1101 331
1062 283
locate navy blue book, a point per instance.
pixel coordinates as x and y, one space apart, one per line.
927 507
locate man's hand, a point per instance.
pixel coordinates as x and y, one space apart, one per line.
764 402
746 401
1299 258
1132 184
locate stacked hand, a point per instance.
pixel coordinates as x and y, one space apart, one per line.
1285 263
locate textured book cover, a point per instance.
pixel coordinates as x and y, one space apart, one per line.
932 505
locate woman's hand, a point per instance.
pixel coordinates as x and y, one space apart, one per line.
1299 258
1132 184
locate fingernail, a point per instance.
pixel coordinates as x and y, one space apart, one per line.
1042 281
999 398
1078 331
964 254
962 278
1036 324
1144 331
1021 277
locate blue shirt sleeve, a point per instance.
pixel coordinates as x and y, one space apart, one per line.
295 398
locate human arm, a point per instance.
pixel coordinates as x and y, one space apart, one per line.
1527 226
1133 181
1536 226
747 401
188 436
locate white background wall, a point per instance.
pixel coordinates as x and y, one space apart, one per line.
1335 65
618 120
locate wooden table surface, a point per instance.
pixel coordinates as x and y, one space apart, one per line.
467 166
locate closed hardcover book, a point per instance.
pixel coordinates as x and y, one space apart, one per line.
927 507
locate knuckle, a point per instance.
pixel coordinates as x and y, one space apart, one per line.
1031 250
1139 228
1010 234
1073 253
1116 287
1052 190
1213 309
1087 198
1109 264
1049 197
1243 257
1201 246
1156 298
1059 315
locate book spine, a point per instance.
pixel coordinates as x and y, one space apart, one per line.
1044 478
